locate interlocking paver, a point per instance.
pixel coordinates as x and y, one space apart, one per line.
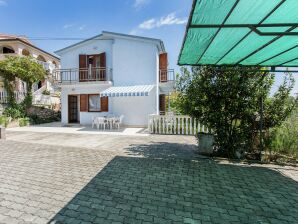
154 179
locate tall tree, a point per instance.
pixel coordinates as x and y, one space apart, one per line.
227 99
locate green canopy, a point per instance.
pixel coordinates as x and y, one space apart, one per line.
242 32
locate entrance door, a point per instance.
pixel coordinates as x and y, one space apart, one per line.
73 109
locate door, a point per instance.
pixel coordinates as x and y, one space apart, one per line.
73 109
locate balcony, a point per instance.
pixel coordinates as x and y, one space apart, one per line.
76 75
46 65
3 56
166 80
166 75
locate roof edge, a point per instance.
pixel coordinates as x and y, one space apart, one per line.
107 33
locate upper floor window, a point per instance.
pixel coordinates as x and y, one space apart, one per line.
6 50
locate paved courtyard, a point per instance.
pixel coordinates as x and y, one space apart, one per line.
68 178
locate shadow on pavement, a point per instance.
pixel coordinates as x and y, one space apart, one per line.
163 188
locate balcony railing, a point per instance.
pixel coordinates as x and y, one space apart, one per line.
76 75
19 96
166 75
46 65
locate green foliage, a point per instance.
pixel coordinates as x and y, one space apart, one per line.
228 102
46 92
35 119
24 68
24 121
284 139
14 112
4 121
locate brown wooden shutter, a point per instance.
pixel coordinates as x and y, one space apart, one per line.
84 102
104 104
162 104
83 73
163 67
102 61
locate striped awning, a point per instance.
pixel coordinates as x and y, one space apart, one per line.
122 91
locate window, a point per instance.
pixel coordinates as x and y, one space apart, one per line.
94 103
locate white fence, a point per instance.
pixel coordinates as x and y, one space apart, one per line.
19 96
175 125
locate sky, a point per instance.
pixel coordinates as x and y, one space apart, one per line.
162 19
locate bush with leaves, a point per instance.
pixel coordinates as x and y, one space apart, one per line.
24 68
227 100
284 138
14 112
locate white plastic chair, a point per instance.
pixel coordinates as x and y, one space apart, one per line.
119 121
93 121
101 121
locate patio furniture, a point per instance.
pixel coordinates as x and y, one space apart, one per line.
119 121
101 122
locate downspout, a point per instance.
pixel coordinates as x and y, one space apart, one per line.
157 85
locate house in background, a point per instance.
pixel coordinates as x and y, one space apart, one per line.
115 74
11 45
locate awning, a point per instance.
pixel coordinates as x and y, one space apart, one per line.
122 91
242 32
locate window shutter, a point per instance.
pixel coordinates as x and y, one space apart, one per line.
104 104
83 74
163 66
82 61
102 59
84 102
162 104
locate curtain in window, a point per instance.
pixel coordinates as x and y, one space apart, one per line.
94 103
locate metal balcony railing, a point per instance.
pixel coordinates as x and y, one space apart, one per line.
166 75
82 75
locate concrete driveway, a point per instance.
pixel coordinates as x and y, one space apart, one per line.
75 178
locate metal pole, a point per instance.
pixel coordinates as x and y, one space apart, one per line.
262 115
261 122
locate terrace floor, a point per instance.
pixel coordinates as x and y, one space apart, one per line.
72 178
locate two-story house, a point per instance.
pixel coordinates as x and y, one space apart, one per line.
116 74
19 46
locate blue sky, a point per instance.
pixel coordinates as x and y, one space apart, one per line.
163 19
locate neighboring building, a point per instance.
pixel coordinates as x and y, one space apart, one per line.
11 45
116 74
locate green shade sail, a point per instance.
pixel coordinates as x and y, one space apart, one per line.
242 32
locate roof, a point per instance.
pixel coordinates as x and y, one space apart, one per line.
125 91
4 36
241 32
24 40
105 35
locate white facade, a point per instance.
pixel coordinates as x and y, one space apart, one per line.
130 61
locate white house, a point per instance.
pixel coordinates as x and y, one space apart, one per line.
20 46
116 74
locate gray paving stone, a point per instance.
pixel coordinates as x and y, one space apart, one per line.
137 180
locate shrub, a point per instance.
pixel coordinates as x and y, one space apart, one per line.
14 112
39 115
24 121
284 139
4 121
46 92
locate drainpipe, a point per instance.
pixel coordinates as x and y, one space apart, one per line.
157 88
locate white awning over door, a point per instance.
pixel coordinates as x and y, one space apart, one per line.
124 91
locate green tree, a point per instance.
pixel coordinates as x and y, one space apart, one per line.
228 101
24 68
